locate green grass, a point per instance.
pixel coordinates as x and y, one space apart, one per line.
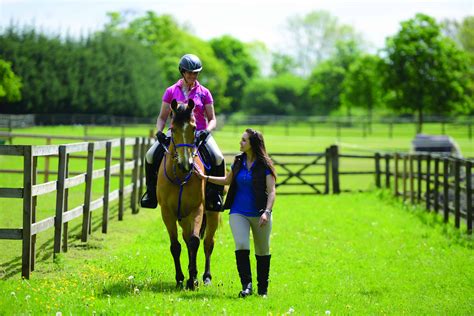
347 254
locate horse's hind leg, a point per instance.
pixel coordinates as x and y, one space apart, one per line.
212 222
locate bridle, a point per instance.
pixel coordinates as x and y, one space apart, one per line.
176 180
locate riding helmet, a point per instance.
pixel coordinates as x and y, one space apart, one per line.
190 62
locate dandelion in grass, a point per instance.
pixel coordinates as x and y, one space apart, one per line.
291 310
328 312
136 291
130 278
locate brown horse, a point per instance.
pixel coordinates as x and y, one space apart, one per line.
181 195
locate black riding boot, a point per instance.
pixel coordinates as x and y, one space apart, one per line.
149 199
263 269
243 266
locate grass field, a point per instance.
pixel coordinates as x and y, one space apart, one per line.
362 253
354 254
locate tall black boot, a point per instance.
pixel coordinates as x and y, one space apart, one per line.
243 266
263 269
149 199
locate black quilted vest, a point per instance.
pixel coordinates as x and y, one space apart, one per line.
258 182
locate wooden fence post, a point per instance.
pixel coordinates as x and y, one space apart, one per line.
327 170
58 220
457 193
469 196
136 156
418 178
436 184
33 213
108 163
396 174
121 179
335 169
404 178
387 171
27 206
428 182
377 170
86 217
446 189
412 180
66 204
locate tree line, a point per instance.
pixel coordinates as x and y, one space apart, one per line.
426 68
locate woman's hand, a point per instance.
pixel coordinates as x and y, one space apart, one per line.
264 218
198 172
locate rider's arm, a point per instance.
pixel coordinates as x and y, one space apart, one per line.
163 116
211 116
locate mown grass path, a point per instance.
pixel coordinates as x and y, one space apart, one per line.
349 254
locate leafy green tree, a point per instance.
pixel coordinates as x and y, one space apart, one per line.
169 41
283 64
10 84
325 85
426 71
313 37
280 95
362 86
240 64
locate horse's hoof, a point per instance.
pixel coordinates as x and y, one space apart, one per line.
179 285
191 284
207 281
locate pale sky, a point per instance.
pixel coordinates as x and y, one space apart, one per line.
247 20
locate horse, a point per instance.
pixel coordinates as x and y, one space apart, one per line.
181 196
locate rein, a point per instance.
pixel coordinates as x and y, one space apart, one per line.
177 181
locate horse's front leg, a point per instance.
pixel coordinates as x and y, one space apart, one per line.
212 221
191 229
175 247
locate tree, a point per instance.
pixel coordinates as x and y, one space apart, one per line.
313 38
10 84
240 64
169 41
426 71
325 85
362 86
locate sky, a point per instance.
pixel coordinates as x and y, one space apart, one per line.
246 20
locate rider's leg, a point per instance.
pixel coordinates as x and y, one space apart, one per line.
152 163
215 200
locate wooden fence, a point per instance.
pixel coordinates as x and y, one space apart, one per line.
64 213
437 188
439 183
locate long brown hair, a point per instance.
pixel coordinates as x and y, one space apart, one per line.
258 146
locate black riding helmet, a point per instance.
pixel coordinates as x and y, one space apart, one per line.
190 62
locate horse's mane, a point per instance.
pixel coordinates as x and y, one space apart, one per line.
182 115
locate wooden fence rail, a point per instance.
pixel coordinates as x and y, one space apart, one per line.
31 190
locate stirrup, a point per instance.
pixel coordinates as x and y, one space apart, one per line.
149 200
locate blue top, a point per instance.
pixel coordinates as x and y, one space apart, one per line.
244 201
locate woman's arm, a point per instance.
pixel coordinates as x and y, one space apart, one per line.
216 180
211 116
270 180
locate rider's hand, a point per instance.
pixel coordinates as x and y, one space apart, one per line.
199 172
202 135
161 137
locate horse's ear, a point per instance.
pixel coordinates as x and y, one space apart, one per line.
174 105
190 104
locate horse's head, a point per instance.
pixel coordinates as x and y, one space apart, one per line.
183 128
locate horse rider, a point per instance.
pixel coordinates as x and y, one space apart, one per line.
188 87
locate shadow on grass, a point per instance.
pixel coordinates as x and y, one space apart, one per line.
128 289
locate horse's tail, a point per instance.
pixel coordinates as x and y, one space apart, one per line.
203 225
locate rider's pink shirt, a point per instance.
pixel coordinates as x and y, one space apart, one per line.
200 95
